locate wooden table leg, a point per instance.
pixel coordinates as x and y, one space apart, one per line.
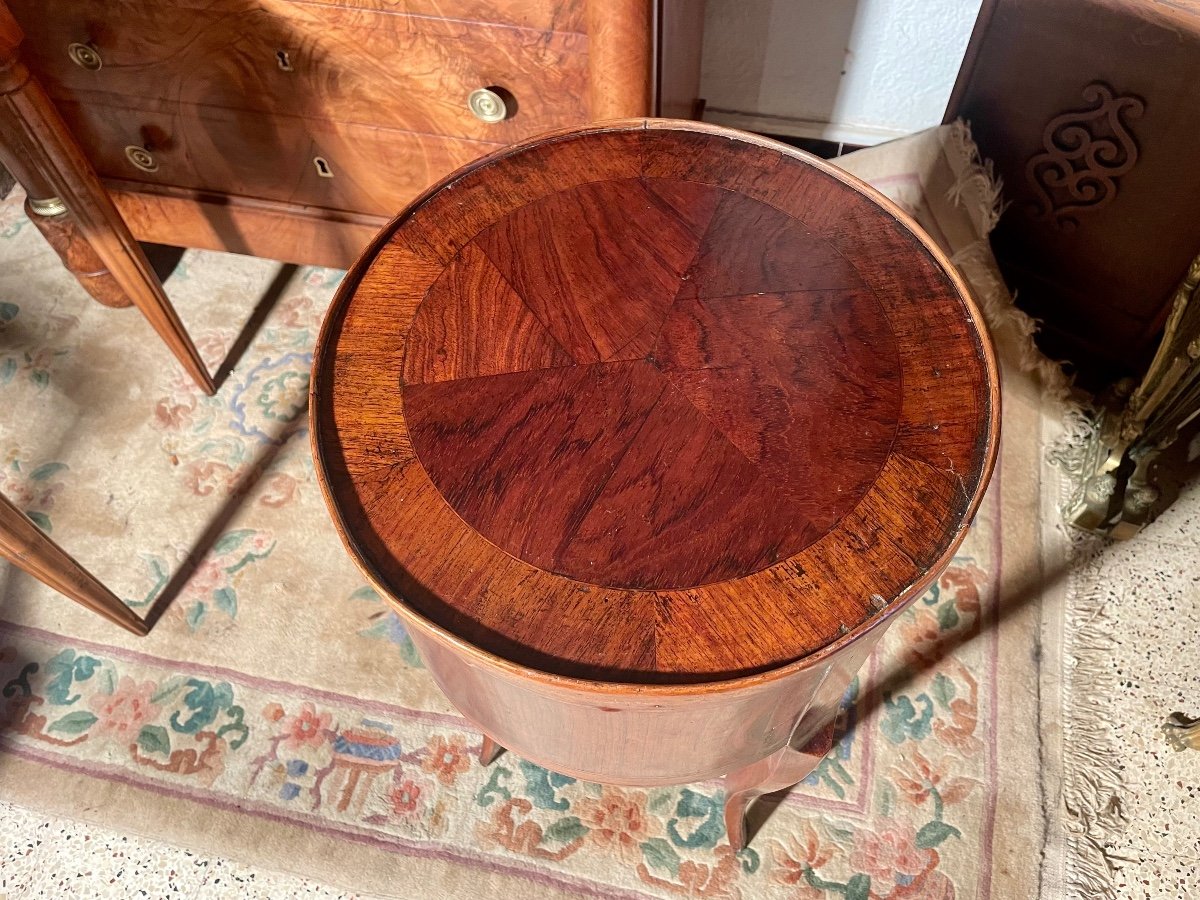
41 153
782 769
25 545
489 751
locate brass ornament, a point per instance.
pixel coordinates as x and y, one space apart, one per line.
487 105
86 56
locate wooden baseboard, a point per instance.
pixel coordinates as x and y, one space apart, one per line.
860 136
302 235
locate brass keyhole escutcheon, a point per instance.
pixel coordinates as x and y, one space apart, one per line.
284 60
86 56
322 167
488 105
141 158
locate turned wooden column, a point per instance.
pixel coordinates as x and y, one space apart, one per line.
649 430
57 226
24 545
40 152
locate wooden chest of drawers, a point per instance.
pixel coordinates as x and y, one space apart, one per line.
295 130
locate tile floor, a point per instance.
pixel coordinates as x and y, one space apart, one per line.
41 856
1154 602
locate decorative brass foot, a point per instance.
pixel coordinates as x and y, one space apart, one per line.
1182 733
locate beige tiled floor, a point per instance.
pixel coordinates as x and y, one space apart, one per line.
1154 601
49 857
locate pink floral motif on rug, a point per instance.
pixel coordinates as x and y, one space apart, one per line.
899 809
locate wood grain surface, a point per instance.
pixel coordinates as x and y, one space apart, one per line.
713 386
654 403
411 73
290 233
78 257
38 148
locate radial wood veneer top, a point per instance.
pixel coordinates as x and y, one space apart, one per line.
652 402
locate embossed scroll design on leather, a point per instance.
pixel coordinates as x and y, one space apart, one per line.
1085 152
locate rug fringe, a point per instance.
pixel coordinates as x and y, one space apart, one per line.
978 179
1093 788
978 191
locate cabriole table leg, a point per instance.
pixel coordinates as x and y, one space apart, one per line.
784 768
489 751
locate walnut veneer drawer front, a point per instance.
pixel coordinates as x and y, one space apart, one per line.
319 61
302 161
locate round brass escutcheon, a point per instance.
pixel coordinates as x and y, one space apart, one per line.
487 105
86 56
141 158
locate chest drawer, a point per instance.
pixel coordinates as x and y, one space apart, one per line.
311 60
343 166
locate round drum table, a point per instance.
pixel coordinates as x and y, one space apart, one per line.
648 430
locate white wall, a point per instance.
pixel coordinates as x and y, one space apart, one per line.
860 71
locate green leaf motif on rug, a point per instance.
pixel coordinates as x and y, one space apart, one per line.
831 773
64 669
47 470
661 855
195 615
236 726
702 834
493 789
154 739
40 377
21 682
659 800
565 830
40 519
231 540
541 786
8 311
166 689
226 601
858 887
749 859
206 702
161 575
389 627
902 721
73 723
933 833
947 616
8 369
943 689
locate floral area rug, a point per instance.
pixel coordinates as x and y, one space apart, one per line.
278 714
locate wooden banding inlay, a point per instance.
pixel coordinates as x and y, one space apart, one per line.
651 384
652 403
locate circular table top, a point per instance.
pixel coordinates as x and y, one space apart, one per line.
652 402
